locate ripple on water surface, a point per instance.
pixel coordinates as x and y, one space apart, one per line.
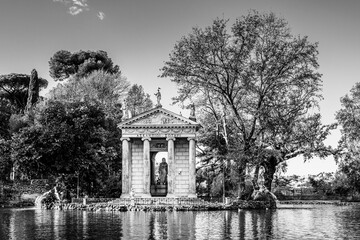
319 222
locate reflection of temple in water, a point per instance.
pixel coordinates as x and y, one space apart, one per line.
306 223
146 139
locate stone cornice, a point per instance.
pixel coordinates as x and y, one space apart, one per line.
158 126
186 123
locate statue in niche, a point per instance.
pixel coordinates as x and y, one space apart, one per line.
163 170
158 98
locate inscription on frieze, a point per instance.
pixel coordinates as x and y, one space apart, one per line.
158 146
153 132
158 118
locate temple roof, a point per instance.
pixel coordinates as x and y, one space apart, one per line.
158 118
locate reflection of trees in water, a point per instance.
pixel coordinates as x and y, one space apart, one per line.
242 228
227 223
322 222
152 226
254 224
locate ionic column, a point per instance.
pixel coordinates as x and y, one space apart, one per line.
192 167
125 167
171 167
146 166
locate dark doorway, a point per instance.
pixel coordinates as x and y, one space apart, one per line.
158 179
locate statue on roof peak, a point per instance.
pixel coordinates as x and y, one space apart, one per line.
158 97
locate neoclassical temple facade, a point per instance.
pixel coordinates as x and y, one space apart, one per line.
158 131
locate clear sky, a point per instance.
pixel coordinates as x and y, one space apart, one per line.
139 35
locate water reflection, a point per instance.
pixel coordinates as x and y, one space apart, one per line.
321 222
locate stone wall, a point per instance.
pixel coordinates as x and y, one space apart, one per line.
137 166
181 167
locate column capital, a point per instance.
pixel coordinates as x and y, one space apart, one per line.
146 138
170 138
125 139
191 138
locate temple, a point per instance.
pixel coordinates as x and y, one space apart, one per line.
158 155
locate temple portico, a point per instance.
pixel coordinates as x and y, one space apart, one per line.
148 134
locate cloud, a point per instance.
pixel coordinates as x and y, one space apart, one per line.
74 6
81 3
62 1
101 15
74 10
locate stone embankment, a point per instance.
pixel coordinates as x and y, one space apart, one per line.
155 208
206 206
317 202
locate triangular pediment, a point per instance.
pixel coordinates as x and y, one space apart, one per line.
159 117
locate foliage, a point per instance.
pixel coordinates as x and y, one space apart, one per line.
108 89
5 114
111 187
14 89
322 183
137 101
348 155
70 139
263 80
64 64
5 160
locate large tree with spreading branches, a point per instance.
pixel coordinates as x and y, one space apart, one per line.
348 153
264 82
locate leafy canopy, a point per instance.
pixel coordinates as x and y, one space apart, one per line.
261 78
14 89
137 101
348 153
64 64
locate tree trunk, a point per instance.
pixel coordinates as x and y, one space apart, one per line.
242 174
270 169
33 91
256 178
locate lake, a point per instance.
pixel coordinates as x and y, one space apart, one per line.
301 222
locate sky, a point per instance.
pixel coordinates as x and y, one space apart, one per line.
139 35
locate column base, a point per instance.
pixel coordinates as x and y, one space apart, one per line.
192 195
171 195
125 195
143 195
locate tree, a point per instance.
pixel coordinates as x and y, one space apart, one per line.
64 64
33 91
14 89
5 161
70 139
265 80
348 155
137 101
18 94
108 89
5 114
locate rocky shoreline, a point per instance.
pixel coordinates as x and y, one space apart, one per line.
196 207
206 206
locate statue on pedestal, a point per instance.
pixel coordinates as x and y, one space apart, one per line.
158 98
126 112
192 112
163 170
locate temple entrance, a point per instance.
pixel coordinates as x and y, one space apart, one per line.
158 155
159 172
